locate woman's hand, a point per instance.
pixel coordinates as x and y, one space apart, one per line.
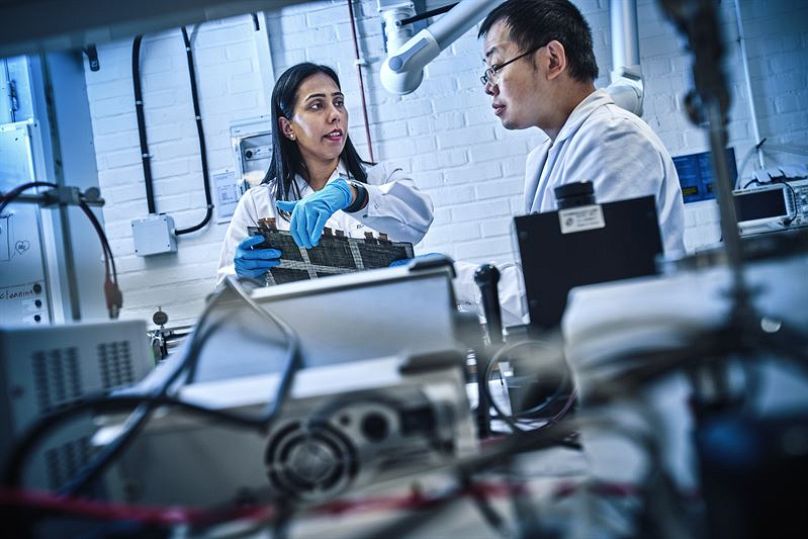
310 214
254 263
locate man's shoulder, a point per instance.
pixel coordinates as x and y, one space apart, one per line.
611 117
613 126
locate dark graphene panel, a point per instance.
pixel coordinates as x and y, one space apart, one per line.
380 255
334 252
285 275
277 239
287 246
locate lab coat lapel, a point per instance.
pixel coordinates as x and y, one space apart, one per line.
540 198
533 172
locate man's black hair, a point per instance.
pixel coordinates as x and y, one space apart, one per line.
534 23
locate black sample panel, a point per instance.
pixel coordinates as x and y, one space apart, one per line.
335 254
286 275
380 255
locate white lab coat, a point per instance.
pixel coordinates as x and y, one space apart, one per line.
395 207
620 155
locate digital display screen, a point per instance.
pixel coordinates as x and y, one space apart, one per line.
760 204
695 173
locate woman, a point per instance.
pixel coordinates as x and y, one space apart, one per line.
317 179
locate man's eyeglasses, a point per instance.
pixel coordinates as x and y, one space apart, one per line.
490 75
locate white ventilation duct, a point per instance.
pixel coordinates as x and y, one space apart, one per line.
402 71
626 86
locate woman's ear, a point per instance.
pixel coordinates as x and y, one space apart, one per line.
286 128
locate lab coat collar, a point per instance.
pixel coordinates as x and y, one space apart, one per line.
579 114
304 187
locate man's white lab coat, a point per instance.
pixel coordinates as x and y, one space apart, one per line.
395 207
620 155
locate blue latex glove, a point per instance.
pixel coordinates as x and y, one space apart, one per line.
254 263
310 214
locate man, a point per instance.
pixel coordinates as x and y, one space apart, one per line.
541 72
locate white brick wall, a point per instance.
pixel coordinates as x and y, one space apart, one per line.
444 132
230 88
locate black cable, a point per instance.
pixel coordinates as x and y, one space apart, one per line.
411 523
490 515
203 153
133 425
17 191
512 419
141 124
102 237
712 346
519 442
104 403
426 14
144 145
8 198
112 292
140 416
110 404
294 360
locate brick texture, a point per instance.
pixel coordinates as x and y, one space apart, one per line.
443 133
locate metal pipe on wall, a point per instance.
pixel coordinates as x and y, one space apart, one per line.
625 34
359 62
748 85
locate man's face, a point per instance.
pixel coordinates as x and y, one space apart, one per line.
516 89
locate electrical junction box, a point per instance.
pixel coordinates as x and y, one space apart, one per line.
252 145
154 235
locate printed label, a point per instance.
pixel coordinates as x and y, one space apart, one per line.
582 218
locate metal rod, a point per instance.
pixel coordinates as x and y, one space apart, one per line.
43 201
748 84
59 179
726 205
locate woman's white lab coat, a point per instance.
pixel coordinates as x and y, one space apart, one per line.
395 207
620 155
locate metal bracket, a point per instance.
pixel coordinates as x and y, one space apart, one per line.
92 57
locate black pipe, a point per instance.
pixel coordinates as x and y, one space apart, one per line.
426 14
203 153
141 124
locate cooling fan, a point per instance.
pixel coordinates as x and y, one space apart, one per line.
345 427
310 460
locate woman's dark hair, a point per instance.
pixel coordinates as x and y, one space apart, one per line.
286 158
534 23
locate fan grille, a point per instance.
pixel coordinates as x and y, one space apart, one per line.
310 461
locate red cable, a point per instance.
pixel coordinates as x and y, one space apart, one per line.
361 80
174 515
